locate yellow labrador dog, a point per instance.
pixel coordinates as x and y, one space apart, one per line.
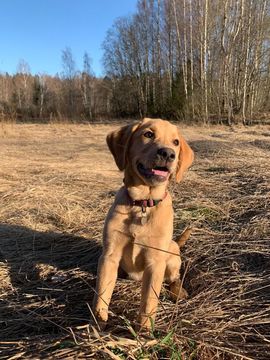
139 226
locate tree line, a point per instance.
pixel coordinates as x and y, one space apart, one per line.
192 59
73 94
197 60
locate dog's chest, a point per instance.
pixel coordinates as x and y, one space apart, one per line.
151 229
141 223
133 260
144 240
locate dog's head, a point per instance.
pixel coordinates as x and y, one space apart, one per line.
151 150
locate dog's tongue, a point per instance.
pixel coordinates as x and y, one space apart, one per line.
160 172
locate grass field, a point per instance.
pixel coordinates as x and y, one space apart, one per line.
56 185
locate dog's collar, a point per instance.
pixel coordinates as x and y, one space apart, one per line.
144 203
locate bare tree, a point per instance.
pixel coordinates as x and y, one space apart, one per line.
191 58
68 74
68 64
23 68
87 85
23 72
39 93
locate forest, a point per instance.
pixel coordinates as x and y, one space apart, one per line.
204 61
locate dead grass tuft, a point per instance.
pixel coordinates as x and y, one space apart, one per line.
57 183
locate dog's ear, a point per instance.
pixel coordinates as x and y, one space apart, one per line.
185 159
118 143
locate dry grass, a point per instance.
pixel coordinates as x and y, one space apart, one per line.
57 183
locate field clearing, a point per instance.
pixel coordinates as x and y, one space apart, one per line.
56 185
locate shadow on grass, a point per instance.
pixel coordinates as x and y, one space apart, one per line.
47 281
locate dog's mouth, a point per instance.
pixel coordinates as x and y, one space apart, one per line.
160 173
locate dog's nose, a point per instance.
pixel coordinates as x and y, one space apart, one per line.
166 154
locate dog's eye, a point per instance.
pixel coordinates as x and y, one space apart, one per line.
176 142
149 134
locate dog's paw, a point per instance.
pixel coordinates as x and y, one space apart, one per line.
183 294
145 324
177 292
101 317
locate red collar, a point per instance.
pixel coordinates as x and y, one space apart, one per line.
144 203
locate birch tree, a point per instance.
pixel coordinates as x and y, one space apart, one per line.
87 86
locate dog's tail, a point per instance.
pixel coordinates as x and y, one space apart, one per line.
184 237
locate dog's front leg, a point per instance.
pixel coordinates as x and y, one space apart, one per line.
107 274
151 285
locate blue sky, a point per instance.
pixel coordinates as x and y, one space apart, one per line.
38 30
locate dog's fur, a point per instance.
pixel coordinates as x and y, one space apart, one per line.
145 251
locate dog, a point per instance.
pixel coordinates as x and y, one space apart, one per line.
138 229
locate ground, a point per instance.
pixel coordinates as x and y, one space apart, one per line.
57 182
